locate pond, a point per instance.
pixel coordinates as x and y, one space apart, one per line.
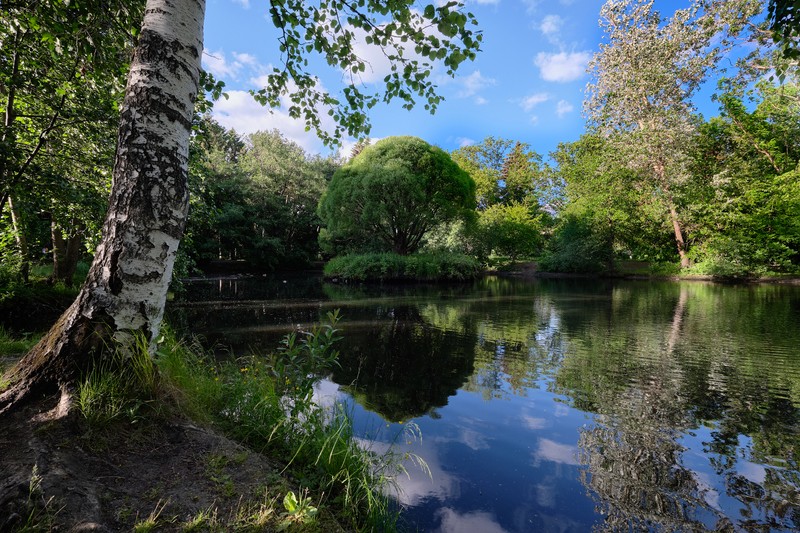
555 405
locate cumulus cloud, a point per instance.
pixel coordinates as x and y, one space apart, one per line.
224 67
453 522
563 107
551 25
534 423
217 64
563 66
244 3
472 84
531 101
558 453
243 114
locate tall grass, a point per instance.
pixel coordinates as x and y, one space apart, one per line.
265 402
124 384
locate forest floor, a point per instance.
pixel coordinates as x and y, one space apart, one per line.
57 475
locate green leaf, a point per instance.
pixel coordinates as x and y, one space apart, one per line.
290 502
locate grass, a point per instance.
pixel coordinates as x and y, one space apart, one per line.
14 345
394 267
265 403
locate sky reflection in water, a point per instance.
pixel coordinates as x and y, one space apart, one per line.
560 405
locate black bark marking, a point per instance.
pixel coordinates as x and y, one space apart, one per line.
115 283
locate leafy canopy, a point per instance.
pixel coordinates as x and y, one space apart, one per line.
392 194
412 40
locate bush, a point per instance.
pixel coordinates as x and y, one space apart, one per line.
395 267
577 246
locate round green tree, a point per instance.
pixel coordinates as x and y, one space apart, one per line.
390 195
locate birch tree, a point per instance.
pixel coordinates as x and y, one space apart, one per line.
126 288
645 75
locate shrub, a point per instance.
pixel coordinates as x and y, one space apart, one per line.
394 267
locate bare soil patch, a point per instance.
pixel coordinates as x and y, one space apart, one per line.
58 476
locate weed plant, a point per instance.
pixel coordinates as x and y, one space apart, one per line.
11 345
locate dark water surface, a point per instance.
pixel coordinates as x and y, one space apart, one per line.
556 405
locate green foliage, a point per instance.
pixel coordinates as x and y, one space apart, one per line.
395 267
253 199
744 193
391 195
264 402
507 172
412 39
512 230
784 22
62 69
577 246
119 386
298 510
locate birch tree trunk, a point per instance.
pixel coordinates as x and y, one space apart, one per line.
126 288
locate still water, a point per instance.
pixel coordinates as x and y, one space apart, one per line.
556 405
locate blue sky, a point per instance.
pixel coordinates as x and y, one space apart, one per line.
527 84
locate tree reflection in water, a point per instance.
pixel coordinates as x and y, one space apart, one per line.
635 462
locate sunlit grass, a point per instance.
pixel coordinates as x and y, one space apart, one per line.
264 403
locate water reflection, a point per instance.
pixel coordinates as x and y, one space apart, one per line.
562 405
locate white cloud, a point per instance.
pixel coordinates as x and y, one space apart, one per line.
245 59
551 25
532 422
218 65
480 100
563 107
465 141
244 3
558 453
486 2
563 66
531 101
454 522
243 114
472 84
223 67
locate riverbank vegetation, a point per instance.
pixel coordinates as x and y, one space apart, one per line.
325 480
389 266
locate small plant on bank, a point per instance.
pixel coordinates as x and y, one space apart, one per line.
119 386
298 510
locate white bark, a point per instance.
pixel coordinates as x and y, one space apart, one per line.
126 288
149 199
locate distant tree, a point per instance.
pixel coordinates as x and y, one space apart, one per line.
745 190
513 230
393 194
644 78
504 171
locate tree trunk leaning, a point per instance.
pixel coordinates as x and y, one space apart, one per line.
126 288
